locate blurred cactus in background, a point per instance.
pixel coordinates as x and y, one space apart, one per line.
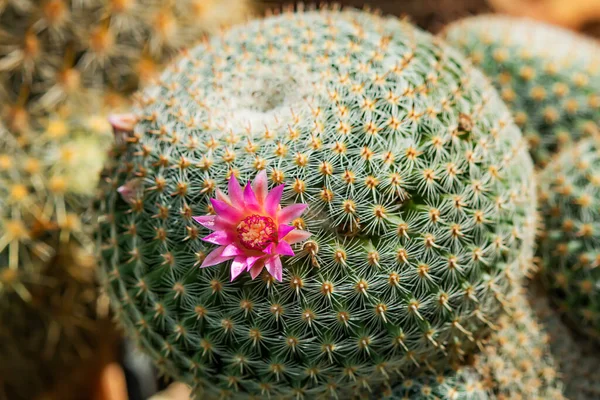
50 50
548 76
576 357
570 245
51 321
420 194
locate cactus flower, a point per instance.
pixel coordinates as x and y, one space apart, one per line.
251 228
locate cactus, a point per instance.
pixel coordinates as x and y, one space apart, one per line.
420 204
576 357
51 325
548 76
51 49
570 246
515 363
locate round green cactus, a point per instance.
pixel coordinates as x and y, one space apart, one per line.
390 150
548 76
48 285
570 246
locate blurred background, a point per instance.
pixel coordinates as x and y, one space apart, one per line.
113 369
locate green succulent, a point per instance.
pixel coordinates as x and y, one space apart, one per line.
420 195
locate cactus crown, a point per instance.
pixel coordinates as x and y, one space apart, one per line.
570 246
419 194
549 77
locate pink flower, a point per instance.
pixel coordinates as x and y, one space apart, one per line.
251 228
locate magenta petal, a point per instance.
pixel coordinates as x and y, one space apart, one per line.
250 198
223 197
232 250
252 260
284 230
256 268
269 249
225 211
290 213
215 257
238 266
274 267
261 186
219 237
207 221
297 236
235 192
273 199
284 249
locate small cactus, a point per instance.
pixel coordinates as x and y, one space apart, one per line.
570 245
52 49
49 311
420 205
548 76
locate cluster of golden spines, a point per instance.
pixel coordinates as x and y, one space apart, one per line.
553 94
53 49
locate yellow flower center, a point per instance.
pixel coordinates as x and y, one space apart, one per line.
256 232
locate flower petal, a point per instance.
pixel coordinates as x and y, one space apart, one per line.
235 192
250 198
261 186
215 257
221 238
225 211
270 248
123 122
274 267
232 250
238 266
256 268
284 230
296 236
273 199
207 221
223 197
284 249
290 213
129 190
252 260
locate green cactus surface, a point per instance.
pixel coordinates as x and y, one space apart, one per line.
420 194
48 285
548 76
570 245
514 363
